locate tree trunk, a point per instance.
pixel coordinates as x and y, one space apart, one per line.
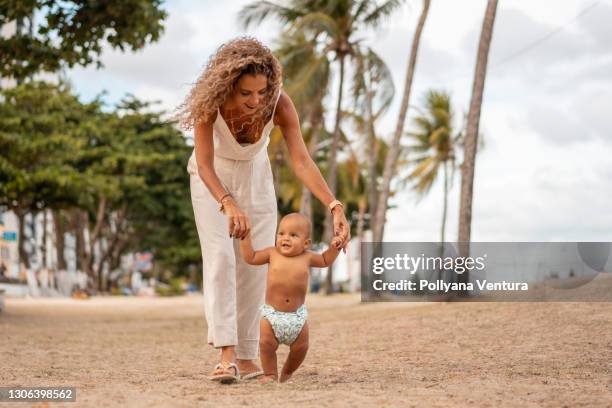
95 233
115 246
43 248
333 159
79 234
391 159
444 212
373 145
362 203
332 176
58 223
23 256
471 136
445 205
315 123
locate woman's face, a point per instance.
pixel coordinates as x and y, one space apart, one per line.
250 92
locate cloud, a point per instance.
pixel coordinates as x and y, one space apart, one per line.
597 25
166 69
165 63
556 126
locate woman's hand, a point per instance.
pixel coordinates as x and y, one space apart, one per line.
342 228
239 225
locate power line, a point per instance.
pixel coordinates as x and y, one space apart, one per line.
533 44
542 39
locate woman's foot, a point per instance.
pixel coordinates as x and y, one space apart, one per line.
225 372
248 369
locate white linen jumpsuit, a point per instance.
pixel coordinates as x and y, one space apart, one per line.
233 290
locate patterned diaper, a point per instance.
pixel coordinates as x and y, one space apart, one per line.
286 325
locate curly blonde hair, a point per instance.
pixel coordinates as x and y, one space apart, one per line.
244 55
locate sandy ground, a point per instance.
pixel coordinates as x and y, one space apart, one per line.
152 353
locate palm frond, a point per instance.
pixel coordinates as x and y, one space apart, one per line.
317 22
256 12
385 10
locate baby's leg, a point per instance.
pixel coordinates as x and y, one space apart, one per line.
297 353
267 349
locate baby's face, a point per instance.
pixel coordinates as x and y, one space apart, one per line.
292 237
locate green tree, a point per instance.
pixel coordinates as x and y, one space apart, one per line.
39 128
162 213
68 33
142 199
116 180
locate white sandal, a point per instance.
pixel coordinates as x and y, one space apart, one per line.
253 375
226 377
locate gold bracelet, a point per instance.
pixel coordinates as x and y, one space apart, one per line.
223 200
333 205
223 197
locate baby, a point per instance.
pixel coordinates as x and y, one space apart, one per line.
284 314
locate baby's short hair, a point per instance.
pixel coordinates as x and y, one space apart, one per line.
302 218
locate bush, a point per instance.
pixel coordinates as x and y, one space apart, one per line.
175 288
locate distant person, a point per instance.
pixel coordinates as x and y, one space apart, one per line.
2 271
284 315
232 109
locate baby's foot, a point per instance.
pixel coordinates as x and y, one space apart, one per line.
285 377
265 379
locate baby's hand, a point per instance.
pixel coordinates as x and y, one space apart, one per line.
336 242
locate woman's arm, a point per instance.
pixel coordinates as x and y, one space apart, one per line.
238 222
304 167
204 153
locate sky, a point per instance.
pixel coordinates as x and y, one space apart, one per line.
544 173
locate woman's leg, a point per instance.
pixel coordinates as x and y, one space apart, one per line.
257 198
251 286
250 293
219 279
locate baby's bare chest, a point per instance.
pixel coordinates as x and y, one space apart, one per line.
292 271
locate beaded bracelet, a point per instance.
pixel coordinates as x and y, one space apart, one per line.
223 200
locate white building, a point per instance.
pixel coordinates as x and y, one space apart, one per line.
8 221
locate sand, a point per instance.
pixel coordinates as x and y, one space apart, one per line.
151 352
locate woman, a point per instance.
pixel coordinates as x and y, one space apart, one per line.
232 108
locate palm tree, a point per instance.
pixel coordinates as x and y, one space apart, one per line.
373 91
306 72
334 24
471 137
394 148
435 143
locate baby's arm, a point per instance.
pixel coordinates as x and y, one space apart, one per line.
251 256
327 257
